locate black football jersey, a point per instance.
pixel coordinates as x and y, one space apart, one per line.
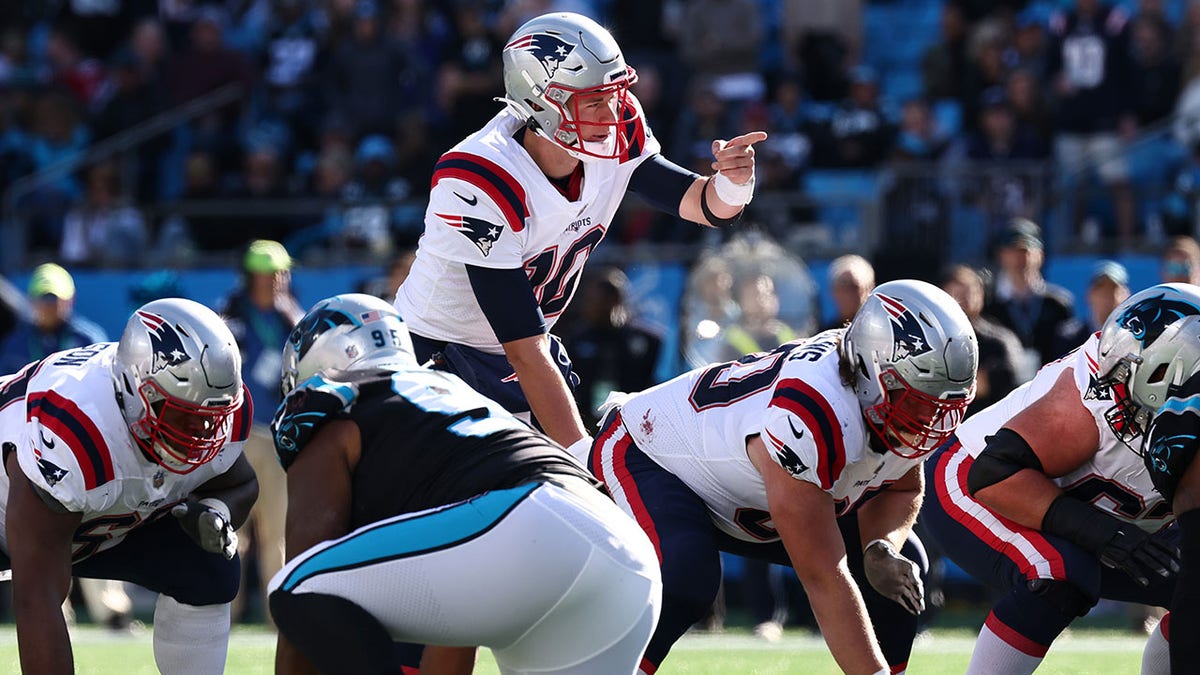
428 440
1174 438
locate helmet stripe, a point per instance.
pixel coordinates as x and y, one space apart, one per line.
77 430
504 190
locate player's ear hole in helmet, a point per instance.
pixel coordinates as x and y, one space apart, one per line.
352 331
913 357
560 73
1141 356
178 380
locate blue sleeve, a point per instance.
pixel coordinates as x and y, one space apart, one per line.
508 302
662 183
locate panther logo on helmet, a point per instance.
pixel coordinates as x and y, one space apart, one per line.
165 342
549 50
1147 319
908 339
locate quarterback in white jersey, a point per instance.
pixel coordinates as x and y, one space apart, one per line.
101 445
1043 495
800 456
516 208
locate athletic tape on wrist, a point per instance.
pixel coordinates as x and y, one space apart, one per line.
730 192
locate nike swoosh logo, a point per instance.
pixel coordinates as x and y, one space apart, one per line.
798 433
472 201
48 442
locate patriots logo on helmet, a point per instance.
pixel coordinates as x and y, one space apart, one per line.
165 342
482 233
908 339
549 50
1147 319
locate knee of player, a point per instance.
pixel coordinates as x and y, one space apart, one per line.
1064 596
692 587
216 587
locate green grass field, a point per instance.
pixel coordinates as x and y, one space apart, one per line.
1090 652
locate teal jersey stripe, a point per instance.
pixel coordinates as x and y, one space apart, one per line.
430 532
1181 405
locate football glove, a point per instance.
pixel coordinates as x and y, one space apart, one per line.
208 523
1117 544
312 403
894 576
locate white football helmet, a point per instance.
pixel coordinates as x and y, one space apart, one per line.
914 355
178 379
352 331
1142 355
553 61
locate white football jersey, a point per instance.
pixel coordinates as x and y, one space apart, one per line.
1114 479
696 426
491 206
71 439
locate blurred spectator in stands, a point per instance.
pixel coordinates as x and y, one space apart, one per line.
821 38
339 18
1023 301
72 70
1028 48
53 326
758 328
205 65
790 136
944 64
396 272
1178 209
610 349
918 138
362 84
1091 70
469 78
1157 73
998 136
1108 286
424 31
135 93
705 118
1187 41
857 134
291 62
1028 106
720 43
371 198
986 69
57 134
99 27
1180 261
1000 351
851 280
262 178
260 313
708 308
104 230
16 66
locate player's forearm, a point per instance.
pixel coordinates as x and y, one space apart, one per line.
237 488
549 399
1022 497
289 661
42 638
889 515
438 660
842 617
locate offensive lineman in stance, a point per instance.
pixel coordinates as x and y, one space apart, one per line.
100 444
419 510
808 455
517 207
1040 495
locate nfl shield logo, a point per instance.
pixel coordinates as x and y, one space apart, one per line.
159 477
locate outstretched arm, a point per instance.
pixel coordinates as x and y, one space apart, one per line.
719 198
39 542
805 519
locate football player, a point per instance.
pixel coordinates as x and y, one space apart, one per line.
1040 497
517 207
102 445
808 455
420 510
1168 380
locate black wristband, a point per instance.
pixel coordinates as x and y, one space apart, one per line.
1080 524
712 217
